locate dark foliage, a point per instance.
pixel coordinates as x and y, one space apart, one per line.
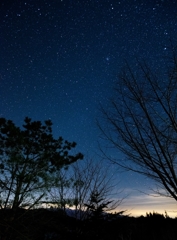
47 224
97 205
28 158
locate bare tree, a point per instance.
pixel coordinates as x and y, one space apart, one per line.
60 195
95 178
84 179
141 122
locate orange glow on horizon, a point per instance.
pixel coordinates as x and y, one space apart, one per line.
140 205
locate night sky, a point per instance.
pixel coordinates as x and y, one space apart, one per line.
59 60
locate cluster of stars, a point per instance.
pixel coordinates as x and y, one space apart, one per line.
60 59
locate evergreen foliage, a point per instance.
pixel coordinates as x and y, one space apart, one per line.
97 204
28 159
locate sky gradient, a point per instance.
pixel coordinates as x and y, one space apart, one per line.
59 59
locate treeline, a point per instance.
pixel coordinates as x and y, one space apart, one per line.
49 224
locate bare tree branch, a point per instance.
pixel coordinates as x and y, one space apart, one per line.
141 122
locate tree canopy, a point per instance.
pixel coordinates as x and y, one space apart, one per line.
28 158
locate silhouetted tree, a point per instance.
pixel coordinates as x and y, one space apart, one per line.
91 177
75 185
141 122
60 195
97 204
28 159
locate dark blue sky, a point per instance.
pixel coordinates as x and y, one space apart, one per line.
60 59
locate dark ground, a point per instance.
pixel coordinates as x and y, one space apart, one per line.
42 224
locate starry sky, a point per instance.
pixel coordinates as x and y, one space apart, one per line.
59 60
